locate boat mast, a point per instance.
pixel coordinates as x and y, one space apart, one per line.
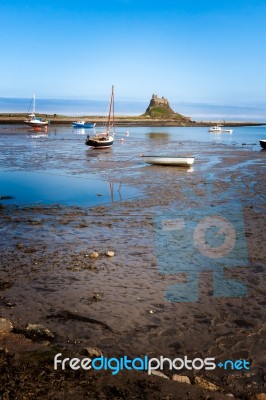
113 122
111 109
33 110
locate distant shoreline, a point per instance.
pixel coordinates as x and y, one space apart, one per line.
55 119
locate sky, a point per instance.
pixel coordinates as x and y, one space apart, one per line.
187 50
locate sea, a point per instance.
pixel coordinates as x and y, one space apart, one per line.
56 167
78 107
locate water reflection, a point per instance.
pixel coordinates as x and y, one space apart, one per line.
50 187
163 136
97 153
112 191
83 131
221 137
38 135
36 132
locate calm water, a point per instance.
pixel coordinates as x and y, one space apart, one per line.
58 168
49 187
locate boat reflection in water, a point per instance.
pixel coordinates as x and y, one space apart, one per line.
162 136
37 132
38 136
81 131
112 191
38 187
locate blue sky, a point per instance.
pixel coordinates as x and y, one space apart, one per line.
192 51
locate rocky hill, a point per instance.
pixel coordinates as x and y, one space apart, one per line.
159 108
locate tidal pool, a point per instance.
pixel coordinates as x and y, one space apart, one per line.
49 187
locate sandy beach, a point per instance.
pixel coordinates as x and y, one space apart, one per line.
120 304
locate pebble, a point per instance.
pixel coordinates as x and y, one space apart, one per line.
159 373
5 325
206 384
10 304
94 254
38 330
181 378
96 297
110 253
93 352
259 396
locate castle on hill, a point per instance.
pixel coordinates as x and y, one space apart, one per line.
159 108
157 101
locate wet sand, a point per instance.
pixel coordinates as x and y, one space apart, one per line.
117 303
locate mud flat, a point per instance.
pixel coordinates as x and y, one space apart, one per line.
130 301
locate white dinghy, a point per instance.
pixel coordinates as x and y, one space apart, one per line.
165 160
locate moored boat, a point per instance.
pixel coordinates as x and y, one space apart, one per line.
100 140
165 160
35 122
104 139
83 124
263 143
216 128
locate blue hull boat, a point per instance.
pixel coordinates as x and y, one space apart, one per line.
81 124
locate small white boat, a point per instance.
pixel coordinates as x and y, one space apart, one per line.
172 160
34 121
216 128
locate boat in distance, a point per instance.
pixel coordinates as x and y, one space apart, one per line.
218 129
32 120
83 124
36 122
171 160
263 143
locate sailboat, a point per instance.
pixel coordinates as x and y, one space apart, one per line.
34 121
104 139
